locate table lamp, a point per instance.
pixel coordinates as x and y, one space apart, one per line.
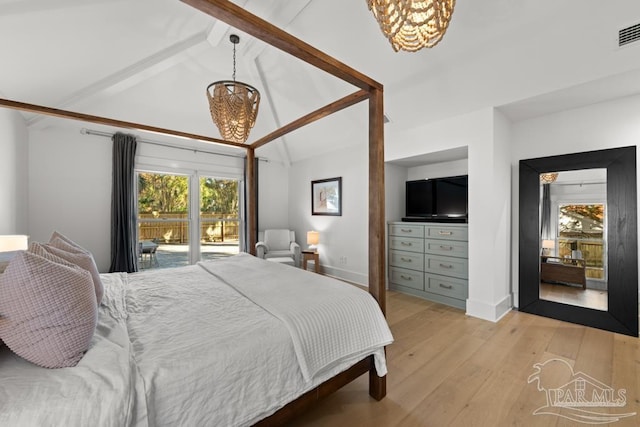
547 247
10 244
313 237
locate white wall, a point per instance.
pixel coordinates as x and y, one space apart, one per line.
598 126
13 173
340 236
439 170
486 133
395 198
70 189
273 196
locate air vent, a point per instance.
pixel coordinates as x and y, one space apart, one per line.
629 35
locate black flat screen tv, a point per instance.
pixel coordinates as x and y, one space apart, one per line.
438 199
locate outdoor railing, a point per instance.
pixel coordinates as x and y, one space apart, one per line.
174 228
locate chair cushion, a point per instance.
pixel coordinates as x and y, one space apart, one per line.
279 254
277 240
48 310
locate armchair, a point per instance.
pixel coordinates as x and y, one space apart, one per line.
278 244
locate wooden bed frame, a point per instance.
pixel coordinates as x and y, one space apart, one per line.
369 89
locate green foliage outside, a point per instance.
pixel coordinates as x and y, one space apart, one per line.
159 193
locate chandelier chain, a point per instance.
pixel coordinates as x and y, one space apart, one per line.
234 62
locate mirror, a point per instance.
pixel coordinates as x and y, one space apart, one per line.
618 226
573 254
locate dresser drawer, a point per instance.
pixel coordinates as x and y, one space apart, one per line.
447 286
446 233
409 278
447 248
448 266
406 230
406 244
410 260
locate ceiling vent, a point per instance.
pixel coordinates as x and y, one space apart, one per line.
629 35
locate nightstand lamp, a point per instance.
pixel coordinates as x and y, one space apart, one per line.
547 247
313 237
11 244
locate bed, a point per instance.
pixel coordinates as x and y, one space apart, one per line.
368 90
224 342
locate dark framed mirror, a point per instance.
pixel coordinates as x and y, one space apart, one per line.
621 314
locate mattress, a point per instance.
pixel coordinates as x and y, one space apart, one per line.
206 344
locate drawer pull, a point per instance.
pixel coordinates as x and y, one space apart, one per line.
405 259
406 243
406 230
445 233
402 276
446 265
446 248
442 285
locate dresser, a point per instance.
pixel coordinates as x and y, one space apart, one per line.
430 260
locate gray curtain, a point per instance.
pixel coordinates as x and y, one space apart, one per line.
124 256
545 219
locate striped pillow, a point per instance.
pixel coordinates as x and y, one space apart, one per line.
48 310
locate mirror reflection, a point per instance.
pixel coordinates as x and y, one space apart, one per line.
573 253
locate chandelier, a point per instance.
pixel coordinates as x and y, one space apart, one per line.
548 178
233 105
411 25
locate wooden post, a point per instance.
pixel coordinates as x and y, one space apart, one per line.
252 201
377 385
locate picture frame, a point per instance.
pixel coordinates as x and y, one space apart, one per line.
326 197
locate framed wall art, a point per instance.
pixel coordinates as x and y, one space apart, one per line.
326 197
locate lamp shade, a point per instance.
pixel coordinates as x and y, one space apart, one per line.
548 244
9 243
313 237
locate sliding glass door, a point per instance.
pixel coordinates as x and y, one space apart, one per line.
183 219
164 222
219 217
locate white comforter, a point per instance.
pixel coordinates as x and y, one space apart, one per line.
183 347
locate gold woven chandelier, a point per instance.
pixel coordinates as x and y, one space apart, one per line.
233 105
411 25
549 177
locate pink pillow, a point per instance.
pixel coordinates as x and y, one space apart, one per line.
64 248
48 310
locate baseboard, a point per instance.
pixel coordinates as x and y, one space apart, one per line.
347 275
491 312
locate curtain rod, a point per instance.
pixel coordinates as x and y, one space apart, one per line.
86 131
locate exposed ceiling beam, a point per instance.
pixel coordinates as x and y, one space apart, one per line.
133 74
338 105
54 112
269 33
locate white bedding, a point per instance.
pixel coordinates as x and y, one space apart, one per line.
182 347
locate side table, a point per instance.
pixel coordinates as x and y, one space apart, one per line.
311 255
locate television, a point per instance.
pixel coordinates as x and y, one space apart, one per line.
439 199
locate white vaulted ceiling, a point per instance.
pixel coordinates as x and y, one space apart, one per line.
149 61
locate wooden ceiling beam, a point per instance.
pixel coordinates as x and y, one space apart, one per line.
243 20
65 114
325 111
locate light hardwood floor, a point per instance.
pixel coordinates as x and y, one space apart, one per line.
575 295
448 369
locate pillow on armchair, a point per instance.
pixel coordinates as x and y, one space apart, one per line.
278 244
